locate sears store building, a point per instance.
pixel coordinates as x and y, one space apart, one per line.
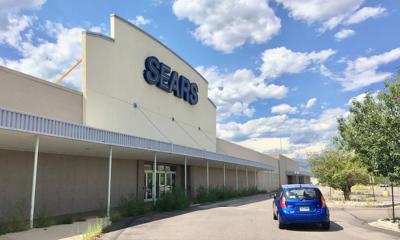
143 124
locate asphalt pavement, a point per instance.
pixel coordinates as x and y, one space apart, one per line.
247 218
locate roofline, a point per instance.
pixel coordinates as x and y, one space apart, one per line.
39 80
159 42
96 34
240 146
29 123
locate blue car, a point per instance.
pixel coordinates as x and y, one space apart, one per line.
300 204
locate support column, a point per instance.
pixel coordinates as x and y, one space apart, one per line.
154 187
33 195
208 176
186 175
224 176
109 182
247 178
255 178
237 179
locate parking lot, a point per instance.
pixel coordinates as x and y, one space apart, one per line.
247 218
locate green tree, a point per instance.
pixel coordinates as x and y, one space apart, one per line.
372 130
338 169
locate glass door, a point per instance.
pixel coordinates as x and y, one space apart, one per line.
165 180
148 180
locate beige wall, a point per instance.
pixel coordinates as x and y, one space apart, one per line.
65 184
198 178
26 93
113 81
235 150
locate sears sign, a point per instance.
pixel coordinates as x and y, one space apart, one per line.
161 75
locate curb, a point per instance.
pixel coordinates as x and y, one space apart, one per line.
366 206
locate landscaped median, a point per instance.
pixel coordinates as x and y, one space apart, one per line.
387 224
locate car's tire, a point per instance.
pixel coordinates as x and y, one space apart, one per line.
280 224
326 226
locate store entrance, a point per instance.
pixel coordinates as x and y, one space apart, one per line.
165 180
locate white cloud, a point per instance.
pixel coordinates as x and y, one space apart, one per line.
361 97
140 21
364 71
50 59
233 93
283 108
311 102
343 34
228 24
11 23
358 98
365 13
284 146
330 13
302 134
277 61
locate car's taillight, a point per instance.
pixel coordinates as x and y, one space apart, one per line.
323 201
283 202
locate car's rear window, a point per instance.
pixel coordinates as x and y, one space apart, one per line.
302 194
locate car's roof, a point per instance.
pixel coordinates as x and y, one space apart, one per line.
289 186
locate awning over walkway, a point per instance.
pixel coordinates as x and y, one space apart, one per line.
69 138
301 172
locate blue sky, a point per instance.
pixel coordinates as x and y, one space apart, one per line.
280 71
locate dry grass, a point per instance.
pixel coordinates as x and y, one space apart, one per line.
94 230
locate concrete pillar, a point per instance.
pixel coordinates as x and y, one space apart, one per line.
109 182
154 189
33 194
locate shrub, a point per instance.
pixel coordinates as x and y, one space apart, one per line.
19 221
130 206
173 200
214 194
66 220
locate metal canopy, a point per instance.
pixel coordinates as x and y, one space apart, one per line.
33 124
300 172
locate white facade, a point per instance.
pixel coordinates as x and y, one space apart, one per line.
113 83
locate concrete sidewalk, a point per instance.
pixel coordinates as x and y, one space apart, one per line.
72 231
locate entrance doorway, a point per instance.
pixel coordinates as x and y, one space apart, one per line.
165 180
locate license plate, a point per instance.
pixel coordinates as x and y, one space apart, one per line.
304 209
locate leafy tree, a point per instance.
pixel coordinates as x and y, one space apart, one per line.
338 169
372 130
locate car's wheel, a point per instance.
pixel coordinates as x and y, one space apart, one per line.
280 225
326 225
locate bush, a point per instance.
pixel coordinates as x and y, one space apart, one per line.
66 220
19 221
173 200
130 206
214 194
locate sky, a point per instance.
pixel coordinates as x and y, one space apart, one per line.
280 71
